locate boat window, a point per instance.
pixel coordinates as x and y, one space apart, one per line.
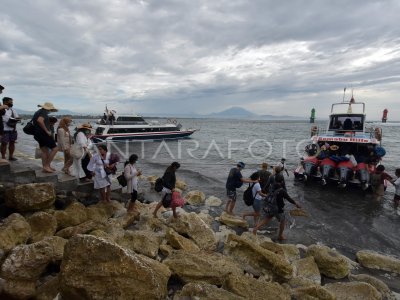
99 130
130 119
346 122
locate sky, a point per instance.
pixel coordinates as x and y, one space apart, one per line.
181 57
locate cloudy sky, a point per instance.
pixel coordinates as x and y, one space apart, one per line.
176 56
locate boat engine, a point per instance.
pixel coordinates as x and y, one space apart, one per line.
310 167
363 175
345 172
327 168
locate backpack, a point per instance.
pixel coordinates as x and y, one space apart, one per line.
248 195
271 206
122 180
376 179
158 185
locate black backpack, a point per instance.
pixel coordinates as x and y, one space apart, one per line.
248 195
271 206
158 185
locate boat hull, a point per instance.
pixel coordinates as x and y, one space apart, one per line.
143 136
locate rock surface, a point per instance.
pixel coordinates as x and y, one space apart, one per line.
42 225
376 283
213 201
233 221
73 215
330 263
195 197
353 291
141 241
112 272
179 242
307 268
14 231
205 291
374 260
31 197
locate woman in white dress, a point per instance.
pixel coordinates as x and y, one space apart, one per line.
81 138
64 142
100 165
131 175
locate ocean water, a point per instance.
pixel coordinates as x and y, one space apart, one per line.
348 220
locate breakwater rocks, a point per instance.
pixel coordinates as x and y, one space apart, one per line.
102 252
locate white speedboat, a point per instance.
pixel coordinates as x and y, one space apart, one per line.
114 127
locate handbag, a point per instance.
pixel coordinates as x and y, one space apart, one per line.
76 151
29 128
122 180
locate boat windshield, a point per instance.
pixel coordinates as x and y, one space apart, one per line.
346 122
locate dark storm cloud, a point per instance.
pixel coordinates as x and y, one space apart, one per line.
200 56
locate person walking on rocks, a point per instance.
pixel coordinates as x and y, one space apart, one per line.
81 138
10 119
169 181
64 142
42 134
131 175
264 176
235 180
258 196
275 208
101 167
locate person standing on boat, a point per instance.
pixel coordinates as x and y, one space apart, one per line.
169 181
131 175
234 181
64 142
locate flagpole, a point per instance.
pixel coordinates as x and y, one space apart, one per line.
344 93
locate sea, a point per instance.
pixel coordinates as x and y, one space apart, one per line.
348 219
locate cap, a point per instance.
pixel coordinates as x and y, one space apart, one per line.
241 164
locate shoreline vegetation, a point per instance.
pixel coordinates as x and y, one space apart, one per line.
54 243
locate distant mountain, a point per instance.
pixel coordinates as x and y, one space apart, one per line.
60 112
233 112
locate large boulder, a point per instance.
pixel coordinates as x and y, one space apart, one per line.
179 242
195 198
180 184
312 292
73 215
374 260
257 260
31 197
49 289
205 291
83 228
14 230
330 262
195 228
251 288
141 241
28 262
43 225
213 201
307 269
376 283
353 291
18 289
212 268
111 272
233 221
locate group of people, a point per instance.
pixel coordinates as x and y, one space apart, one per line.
268 191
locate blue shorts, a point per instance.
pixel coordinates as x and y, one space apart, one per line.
231 194
9 136
257 205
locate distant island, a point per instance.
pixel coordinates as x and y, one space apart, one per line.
230 113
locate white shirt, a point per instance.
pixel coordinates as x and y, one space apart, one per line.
255 190
8 114
130 173
397 186
81 139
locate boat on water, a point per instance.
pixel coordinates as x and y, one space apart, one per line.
347 152
115 127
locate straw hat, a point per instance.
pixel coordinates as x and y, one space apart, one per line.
48 106
85 126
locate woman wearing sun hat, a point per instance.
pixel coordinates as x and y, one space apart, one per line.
43 135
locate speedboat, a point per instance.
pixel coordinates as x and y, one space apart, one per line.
114 127
347 152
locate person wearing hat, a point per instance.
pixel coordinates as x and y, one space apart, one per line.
10 135
264 176
43 135
81 137
235 180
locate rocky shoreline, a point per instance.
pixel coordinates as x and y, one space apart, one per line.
54 246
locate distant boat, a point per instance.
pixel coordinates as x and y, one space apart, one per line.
114 127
